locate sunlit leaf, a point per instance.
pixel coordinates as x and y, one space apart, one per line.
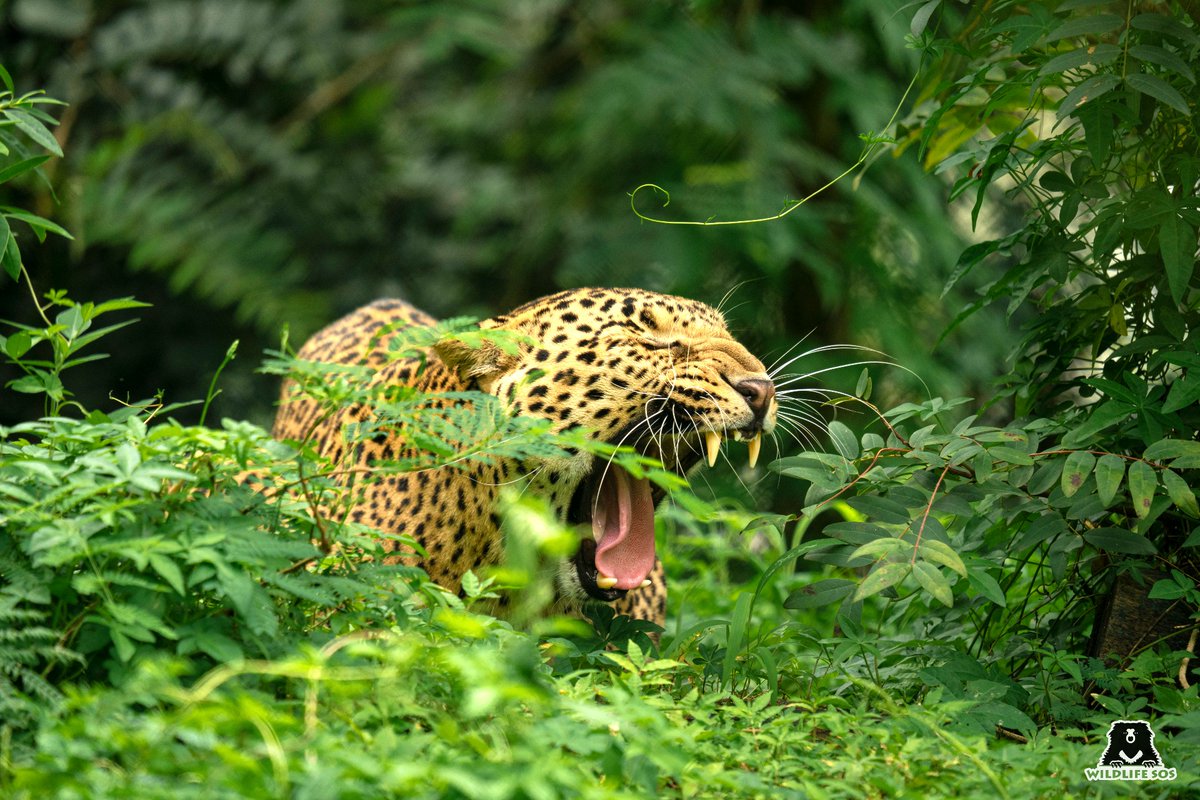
1180 493
933 581
881 577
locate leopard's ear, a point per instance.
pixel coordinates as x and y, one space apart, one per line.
474 358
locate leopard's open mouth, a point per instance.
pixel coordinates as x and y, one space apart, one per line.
620 509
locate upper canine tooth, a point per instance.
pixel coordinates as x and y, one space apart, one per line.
755 446
605 582
712 444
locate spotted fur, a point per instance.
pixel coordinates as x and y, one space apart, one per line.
627 365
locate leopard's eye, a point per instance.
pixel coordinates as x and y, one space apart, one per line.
664 344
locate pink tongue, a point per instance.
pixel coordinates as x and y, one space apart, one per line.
623 524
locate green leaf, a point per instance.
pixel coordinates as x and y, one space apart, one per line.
819 594
169 571
881 577
7 79
863 388
1142 483
880 509
1180 493
1076 470
1153 54
921 18
880 547
1010 455
1095 55
933 581
1167 589
34 129
1056 181
21 167
1090 25
18 344
1158 89
5 235
12 258
1090 89
1165 449
1118 540
941 553
1184 393
39 224
1110 470
1177 244
844 440
987 586
1166 25
1096 419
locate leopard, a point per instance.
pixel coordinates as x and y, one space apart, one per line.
656 372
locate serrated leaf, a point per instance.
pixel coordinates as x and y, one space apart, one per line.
1180 493
1118 540
941 553
1076 470
1158 89
1109 471
1142 482
933 581
880 578
819 594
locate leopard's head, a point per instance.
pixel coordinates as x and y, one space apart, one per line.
659 373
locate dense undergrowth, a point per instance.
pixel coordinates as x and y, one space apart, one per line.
171 628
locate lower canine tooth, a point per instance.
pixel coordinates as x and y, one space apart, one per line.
645 583
712 444
605 582
755 446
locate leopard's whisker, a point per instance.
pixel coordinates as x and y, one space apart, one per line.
829 348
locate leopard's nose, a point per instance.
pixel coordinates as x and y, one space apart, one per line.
759 392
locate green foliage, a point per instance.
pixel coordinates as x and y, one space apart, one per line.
983 549
188 611
469 157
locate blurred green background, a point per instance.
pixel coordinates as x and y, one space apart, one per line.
246 166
